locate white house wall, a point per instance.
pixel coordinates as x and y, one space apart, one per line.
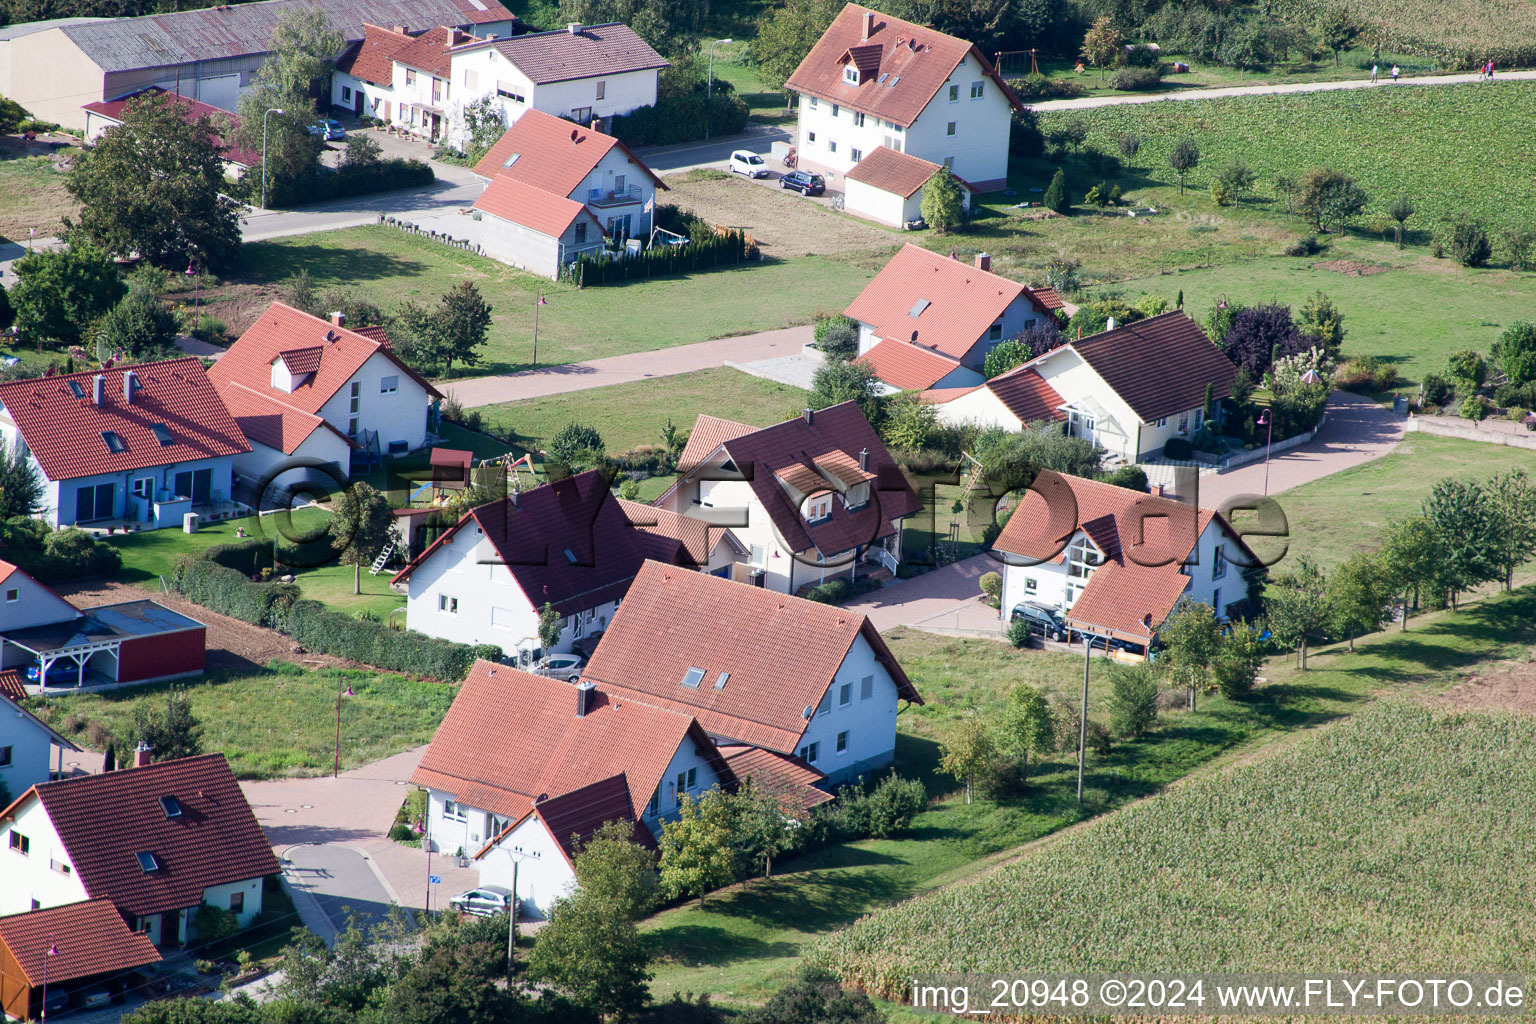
544 874
322 445
219 896
397 416
1073 379
1217 591
1044 584
31 753
865 200
981 407
870 723
485 72
27 878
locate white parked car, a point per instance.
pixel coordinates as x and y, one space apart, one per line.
744 161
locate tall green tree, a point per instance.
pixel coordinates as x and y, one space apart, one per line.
1515 352
1359 592
969 754
1102 44
360 525
461 323
1412 552
169 734
452 981
1191 637
1512 520
665 24
1400 209
1297 606
592 955
1026 723
943 204
140 327
787 33
1337 30
1462 517
836 383
614 869
696 854
60 292
152 186
551 624
303 52
1132 699
1183 158
759 829
21 489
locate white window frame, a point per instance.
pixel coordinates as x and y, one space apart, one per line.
843 743
978 90
447 604
851 74
858 119
1218 563
954 94
856 155
454 811
810 752
1031 585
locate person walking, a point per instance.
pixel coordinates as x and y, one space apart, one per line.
1394 72
1374 74
1490 69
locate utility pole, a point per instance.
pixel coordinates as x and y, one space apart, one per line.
1082 724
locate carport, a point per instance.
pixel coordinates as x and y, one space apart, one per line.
135 641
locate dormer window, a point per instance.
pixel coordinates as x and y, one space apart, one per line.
818 506
851 75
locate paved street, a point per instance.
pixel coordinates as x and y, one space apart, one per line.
690 155
557 380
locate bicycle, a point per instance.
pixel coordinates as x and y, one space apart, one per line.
837 201
789 159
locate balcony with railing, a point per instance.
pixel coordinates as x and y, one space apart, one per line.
625 196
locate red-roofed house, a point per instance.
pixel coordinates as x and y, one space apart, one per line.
159 841
873 80
810 499
142 444
569 544
797 677
928 320
532 761
307 390
364 79
556 189
66 949
103 114
1113 561
887 186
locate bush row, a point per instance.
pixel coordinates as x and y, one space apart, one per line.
279 606
348 180
680 119
720 250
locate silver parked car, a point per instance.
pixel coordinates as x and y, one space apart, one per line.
486 901
563 666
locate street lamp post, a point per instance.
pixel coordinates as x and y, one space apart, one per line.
1082 724
269 113
517 858
709 83
1265 420
540 301
51 951
343 689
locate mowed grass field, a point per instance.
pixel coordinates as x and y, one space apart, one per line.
32 195
276 721
389 266
1450 149
1396 839
632 415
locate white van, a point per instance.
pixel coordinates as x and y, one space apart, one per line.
744 161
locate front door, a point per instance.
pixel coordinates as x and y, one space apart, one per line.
202 486
618 228
357 102
170 928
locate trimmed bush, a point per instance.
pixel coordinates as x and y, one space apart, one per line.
681 119
1178 449
1039 87
1436 389
230 592
1136 78
347 180
830 592
1474 408
402 833
248 556
1019 632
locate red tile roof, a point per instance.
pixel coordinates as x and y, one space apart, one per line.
533 207
781 653
698 538
221 118
533 532
373 59
765 455
512 739
1049 298
11 684
573 818
65 432
429 51
592 52
785 777
91 938
1159 366
1134 530
899 173
708 434
913 63
553 154
267 419
105 820
1027 395
909 367
374 333
283 329
962 302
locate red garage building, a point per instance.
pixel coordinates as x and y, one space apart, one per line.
132 642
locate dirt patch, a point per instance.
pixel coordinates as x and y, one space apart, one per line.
784 223
1352 267
234 302
1504 686
232 644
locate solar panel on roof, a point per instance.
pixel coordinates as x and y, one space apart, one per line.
918 307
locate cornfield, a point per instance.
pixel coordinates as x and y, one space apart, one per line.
1456 35
1394 840
1451 149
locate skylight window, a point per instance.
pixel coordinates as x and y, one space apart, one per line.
75 389
512 159
148 861
693 677
884 77
171 806
570 556
113 441
724 678
918 307
162 433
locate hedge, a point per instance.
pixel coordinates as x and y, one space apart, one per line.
722 250
680 119
348 180
248 556
279 606
52 556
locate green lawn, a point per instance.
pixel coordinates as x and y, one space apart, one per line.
633 414
767 105
389 266
1331 518
274 721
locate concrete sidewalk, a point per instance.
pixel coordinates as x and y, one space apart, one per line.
598 373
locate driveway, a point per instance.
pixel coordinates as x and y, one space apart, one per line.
598 373
338 881
946 599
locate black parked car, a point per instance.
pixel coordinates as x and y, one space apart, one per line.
804 182
1042 621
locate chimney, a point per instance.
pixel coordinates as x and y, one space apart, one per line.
1111 324
99 389
457 37
597 124
1157 491
130 386
869 24
984 261
809 414
864 460
574 28
400 29
339 318
141 757
583 698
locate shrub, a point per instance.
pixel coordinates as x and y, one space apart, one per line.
831 592
576 444
400 832
1306 245
991 585
1178 450
1135 78
1436 389
837 336
1039 87
1132 700
209 328
1467 368
1473 407
214 924
1516 415
348 180
1132 477
248 556
681 119
882 811
1365 375
1019 632
1470 244
1056 193
1142 57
